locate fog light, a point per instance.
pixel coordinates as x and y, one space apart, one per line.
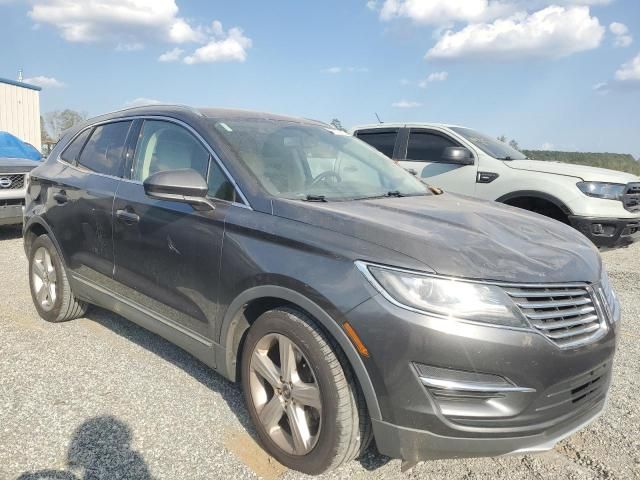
597 228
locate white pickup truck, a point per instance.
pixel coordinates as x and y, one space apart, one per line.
603 204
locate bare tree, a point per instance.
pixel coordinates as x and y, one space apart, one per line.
513 144
337 124
502 138
58 121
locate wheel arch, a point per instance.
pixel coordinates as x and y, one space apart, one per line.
239 316
534 194
35 227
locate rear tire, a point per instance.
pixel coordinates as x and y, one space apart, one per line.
330 407
49 285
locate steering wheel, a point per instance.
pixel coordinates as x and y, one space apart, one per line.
325 175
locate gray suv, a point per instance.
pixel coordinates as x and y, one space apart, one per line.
350 300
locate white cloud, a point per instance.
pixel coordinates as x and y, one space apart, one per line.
172 55
602 88
335 70
630 71
441 12
44 82
551 32
433 77
141 101
222 48
131 24
621 33
547 146
406 104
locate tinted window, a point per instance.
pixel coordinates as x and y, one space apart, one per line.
490 145
70 153
219 184
383 141
103 151
427 147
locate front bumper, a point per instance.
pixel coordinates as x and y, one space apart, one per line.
562 389
11 213
608 232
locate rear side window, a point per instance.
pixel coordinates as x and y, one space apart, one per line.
427 147
70 153
384 142
103 152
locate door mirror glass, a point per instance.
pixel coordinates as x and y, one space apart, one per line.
185 185
459 155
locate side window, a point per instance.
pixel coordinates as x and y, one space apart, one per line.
166 146
381 141
103 151
427 147
70 153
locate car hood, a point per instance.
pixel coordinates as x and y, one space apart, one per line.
459 236
17 165
569 169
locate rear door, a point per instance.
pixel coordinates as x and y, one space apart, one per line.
422 153
167 254
80 202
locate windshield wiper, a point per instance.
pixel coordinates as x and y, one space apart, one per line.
316 198
394 193
506 158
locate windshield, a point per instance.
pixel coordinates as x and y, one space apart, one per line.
313 162
490 145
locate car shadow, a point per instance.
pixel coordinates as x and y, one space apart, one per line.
10 232
100 449
229 391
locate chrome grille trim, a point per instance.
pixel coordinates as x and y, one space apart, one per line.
15 181
567 315
631 197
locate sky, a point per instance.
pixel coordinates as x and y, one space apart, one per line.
553 74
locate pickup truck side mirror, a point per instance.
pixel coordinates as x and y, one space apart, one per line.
459 155
185 185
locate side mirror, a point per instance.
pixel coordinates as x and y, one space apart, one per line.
185 185
459 155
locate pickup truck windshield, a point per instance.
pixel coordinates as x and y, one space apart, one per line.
313 162
490 145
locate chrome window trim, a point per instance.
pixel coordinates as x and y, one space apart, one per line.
244 204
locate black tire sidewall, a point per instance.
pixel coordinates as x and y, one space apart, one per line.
53 314
277 321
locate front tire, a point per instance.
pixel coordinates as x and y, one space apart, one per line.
50 289
307 409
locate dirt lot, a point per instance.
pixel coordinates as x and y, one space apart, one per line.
101 398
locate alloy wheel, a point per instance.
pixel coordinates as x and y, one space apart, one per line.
44 278
285 394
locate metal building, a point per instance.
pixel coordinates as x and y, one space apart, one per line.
20 110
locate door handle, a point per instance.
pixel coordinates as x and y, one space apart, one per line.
127 217
60 198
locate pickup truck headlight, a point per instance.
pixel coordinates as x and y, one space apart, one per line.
444 297
609 191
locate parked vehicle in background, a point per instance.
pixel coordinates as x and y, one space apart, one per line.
349 300
17 159
602 204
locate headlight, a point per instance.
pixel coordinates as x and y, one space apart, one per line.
444 297
610 297
610 191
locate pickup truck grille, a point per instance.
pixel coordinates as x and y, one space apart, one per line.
631 198
11 181
568 315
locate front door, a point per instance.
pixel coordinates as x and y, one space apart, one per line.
167 254
424 156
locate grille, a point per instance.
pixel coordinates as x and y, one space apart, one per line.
567 315
11 181
578 390
631 198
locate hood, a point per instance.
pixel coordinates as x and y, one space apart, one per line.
17 165
459 236
572 170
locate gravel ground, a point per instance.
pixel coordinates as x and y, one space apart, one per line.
100 398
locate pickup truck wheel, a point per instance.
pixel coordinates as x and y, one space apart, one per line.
50 289
307 409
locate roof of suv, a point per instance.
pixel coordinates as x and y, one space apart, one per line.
402 125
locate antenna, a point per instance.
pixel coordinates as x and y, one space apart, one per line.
379 121
20 76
